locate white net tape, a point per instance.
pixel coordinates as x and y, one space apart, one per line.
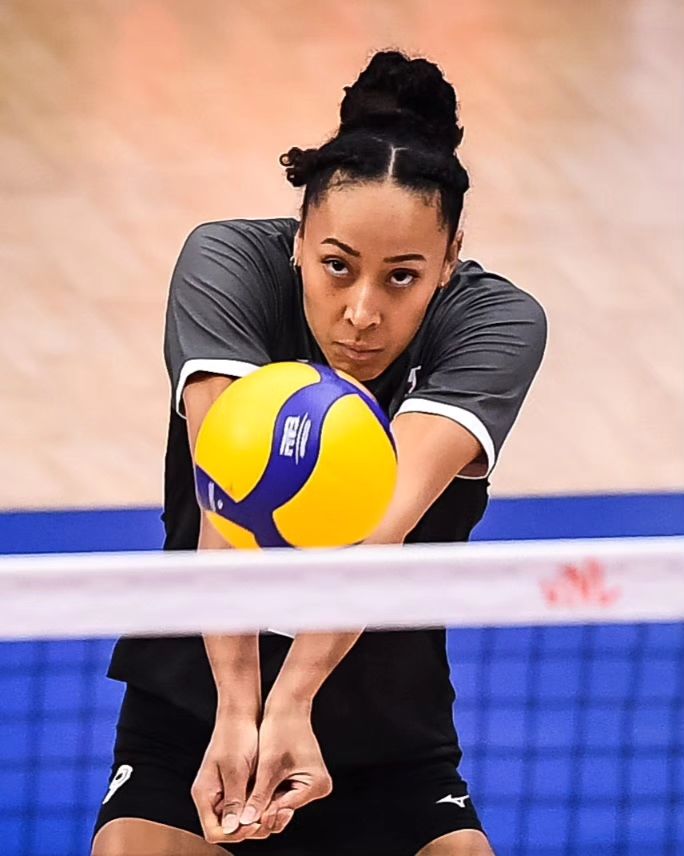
510 583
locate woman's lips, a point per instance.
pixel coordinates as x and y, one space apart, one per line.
357 353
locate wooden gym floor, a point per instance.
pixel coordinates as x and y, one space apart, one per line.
124 123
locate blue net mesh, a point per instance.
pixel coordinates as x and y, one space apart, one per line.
572 739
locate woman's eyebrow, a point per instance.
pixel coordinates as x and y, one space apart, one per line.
404 257
342 246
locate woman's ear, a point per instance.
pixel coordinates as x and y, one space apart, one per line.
297 248
456 245
452 258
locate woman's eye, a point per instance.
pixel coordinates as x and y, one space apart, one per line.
336 267
403 278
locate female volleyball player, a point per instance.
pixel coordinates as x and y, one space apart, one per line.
330 743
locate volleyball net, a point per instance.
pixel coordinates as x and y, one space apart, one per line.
567 658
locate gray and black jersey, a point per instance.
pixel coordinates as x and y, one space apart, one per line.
236 304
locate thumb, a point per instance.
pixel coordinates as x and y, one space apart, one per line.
298 796
234 792
265 783
207 791
302 793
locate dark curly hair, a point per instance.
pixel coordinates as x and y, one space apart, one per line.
398 120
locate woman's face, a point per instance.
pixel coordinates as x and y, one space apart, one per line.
372 256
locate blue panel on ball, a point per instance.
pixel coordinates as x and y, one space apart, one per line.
332 377
294 453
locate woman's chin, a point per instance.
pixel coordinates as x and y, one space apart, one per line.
363 373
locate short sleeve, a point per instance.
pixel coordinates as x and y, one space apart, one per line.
483 352
222 310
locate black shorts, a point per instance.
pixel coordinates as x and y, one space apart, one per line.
382 811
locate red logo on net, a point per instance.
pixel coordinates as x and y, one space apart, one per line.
584 584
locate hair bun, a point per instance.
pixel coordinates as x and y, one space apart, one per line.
396 94
299 164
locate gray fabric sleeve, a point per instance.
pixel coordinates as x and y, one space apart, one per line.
222 306
481 361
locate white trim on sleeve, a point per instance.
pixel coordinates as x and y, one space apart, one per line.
463 417
229 368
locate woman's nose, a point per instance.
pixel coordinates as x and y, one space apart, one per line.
362 310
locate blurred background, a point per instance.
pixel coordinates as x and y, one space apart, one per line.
125 123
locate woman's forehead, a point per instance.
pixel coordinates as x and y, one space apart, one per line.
374 213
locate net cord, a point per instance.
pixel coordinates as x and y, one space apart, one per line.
479 584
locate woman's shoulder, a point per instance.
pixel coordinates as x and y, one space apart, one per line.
269 236
481 310
475 293
247 261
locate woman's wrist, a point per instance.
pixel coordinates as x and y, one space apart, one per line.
233 706
234 662
238 695
285 701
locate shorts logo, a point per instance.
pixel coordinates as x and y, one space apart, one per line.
459 801
122 775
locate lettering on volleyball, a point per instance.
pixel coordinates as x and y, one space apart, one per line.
215 505
295 437
580 585
412 382
459 801
122 775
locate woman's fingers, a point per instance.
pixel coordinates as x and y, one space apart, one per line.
206 794
269 775
283 817
273 821
230 816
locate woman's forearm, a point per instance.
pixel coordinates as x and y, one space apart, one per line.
310 660
313 656
422 478
234 662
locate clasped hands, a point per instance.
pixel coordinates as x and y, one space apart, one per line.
255 776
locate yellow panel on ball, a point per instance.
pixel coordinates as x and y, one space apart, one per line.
350 379
235 535
234 440
350 489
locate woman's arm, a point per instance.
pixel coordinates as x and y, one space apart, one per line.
431 451
234 660
219 791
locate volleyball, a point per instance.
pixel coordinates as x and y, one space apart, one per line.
295 455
